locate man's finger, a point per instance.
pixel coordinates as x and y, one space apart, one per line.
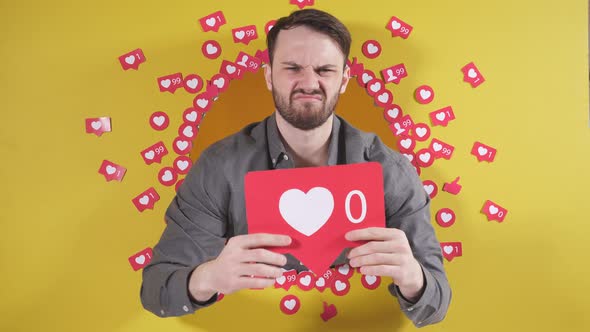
259 240
372 247
265 256
371 234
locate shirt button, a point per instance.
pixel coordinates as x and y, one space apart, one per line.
285 157
162 312
419 323
410 309
274 161
185 308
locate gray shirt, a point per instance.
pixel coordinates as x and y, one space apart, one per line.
209 208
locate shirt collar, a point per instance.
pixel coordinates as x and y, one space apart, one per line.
277 149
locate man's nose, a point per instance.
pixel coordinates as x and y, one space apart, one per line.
308 80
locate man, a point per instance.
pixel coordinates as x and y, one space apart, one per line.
205 249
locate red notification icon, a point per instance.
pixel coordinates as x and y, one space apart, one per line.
287 280
263 56
112 171
406 143
154 153
402 126
383 98
191 115
301 3
182 164
202 102
483 152
325 280
392 113
182 146
146 200
421 132
231 70
290 304
269 25
220 82
442 117
98 126
424 94
132 59
374 86
212 22
193 83
365 78
141 259
424 158
306 281
329 312
188 131
454 187
399 28
445 217
411 157
244 34
211 49
451 250
394 74
159 120
170 82
494 211
340 286
430 187
356 69
371 49
167 176
248 62
472 75
370 282
344 271
441 149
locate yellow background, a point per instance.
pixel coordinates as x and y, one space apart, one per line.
67 234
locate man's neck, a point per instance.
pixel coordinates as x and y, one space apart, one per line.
306 147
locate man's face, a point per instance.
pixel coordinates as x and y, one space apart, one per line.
306 77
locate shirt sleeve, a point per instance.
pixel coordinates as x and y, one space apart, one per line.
408 209
195 229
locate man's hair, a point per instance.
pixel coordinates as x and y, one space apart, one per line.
316 20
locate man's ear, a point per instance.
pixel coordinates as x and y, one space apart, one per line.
268 76
345 79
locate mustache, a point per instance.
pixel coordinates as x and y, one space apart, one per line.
308 92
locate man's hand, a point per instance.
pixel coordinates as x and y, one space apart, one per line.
241 264
387 254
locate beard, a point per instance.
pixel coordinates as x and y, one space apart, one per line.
305 115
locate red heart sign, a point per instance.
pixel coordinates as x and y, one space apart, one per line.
315 206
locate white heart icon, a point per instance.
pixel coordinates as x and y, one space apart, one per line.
471 73
149 155
305 281
211 49
406 143
188 132
448 249
429 189
409 156
393 113
425 157
182 164
372 49
384 97
230 69
140 259
290 304
165 83
482 151
321 282
370 279
192 116
240 34
202 103
340 286
144 200
344 269
306 213
366 78
493 209
446 217
219 83
425 94
440 116
421 132
192 83
181 145
167 176
210 21
436 147
96 125
281 280
159 120
111 170
375 87
130 59
395 25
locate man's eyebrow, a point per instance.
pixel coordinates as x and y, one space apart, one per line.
294 64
